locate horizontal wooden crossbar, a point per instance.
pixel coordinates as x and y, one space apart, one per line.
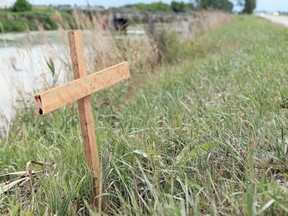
55 98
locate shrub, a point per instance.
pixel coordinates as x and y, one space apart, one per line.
21 6
249 6
168 45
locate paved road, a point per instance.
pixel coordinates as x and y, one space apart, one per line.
283 20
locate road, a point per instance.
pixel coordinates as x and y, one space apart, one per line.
283 20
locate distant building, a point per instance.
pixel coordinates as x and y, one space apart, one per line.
5 3
275 13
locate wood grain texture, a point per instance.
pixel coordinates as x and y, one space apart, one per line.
55 98
80 89
85 112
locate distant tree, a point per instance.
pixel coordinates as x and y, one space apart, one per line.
178 7
249 6
21 5
225 5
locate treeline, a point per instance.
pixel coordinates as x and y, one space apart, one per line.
181 7
159 7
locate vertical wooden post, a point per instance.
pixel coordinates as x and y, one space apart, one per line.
85 113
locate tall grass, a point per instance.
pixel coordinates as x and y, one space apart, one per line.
205 136
42 58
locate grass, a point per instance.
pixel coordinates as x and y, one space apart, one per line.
46 18
205 136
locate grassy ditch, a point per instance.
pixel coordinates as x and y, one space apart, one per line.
207 135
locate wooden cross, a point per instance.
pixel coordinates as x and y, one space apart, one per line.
80 89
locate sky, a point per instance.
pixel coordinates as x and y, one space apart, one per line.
262 5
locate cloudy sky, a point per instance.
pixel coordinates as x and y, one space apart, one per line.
268 5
